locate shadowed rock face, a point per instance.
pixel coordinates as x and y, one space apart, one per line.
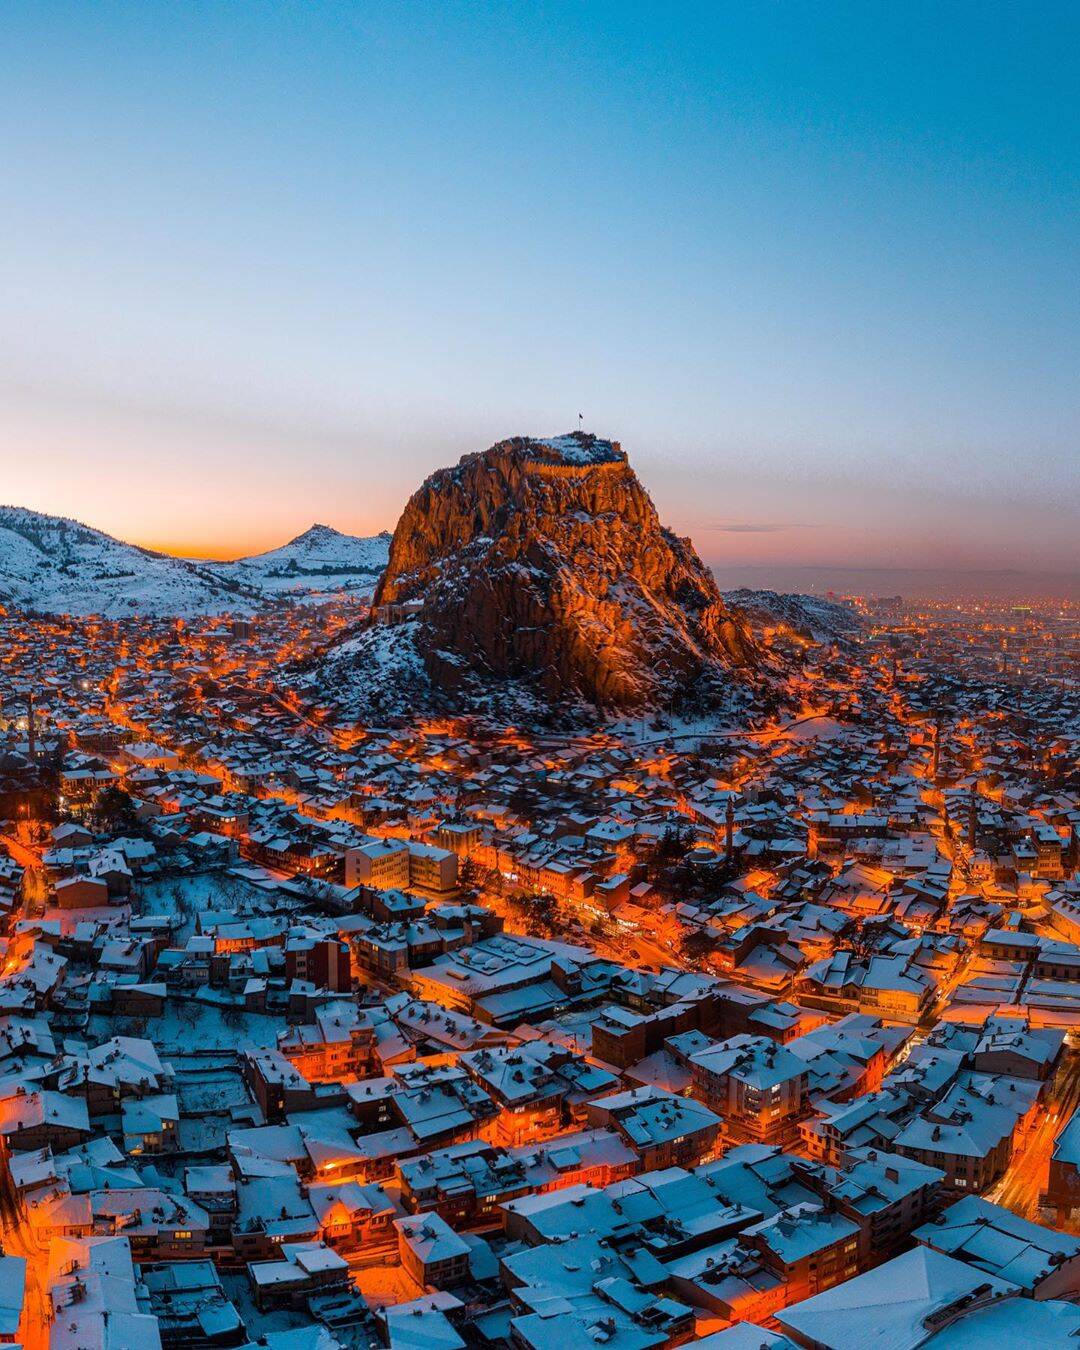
543 563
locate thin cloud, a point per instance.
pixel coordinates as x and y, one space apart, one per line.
752 527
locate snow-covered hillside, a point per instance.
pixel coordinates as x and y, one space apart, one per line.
809 616
58 566
318 561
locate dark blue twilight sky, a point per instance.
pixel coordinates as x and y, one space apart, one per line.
815 264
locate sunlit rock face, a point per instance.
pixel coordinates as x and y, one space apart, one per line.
542 563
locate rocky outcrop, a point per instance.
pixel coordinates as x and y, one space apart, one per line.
542 564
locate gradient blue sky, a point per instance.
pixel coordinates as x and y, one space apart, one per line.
816 265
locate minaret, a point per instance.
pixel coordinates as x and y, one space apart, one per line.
729 828
938 719
972 817
31 727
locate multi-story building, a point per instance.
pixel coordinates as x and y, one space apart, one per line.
757 1086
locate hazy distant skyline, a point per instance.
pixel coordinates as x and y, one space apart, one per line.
815 266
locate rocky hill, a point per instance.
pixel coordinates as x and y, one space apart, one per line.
59 566
807 616
539 569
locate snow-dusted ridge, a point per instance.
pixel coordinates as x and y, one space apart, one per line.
58 566
320 560
810 616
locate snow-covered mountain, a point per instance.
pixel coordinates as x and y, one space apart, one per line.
319 560
810 616
59 566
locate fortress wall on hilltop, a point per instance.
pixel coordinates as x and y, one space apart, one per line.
541 469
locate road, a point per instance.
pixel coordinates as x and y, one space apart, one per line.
19 1240
1026 1178
35 887
24 856
766 736
620 945
611 942
947 988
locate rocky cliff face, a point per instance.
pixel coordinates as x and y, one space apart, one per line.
543 565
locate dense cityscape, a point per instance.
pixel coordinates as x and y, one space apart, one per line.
321 1034
539 676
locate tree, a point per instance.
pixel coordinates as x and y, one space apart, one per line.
673 844
539 912
470 878
696 943
114 811
522 801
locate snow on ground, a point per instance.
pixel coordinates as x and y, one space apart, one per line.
186 896
60 566
210 1090
378 672
810 616
237 1288
199 1023
203 1134
386 1285
320 561
816 729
